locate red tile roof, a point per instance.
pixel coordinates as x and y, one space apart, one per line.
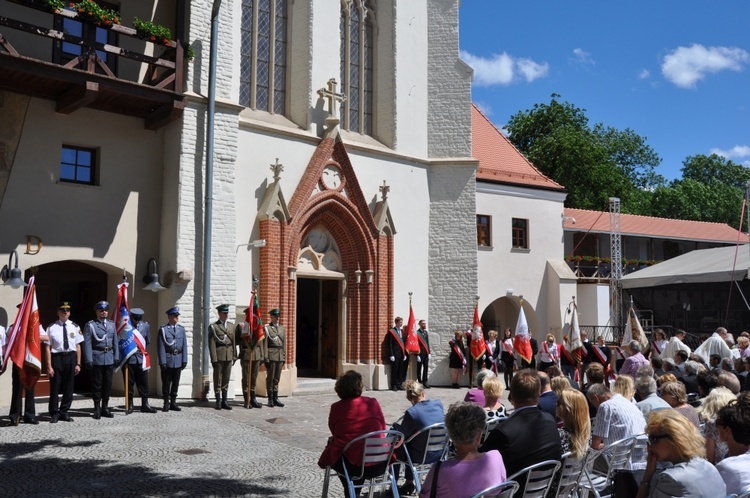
648 226
499 160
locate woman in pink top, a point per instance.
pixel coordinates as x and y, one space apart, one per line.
469 472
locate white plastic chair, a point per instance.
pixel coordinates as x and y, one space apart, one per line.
617 455
437 441
571 470
538 478
378 450
503 490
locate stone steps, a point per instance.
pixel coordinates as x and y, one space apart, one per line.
308 385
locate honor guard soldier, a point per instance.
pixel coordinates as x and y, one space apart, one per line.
101 354
29 407
251 355
136 374
63 355
223 354
276 356
171 344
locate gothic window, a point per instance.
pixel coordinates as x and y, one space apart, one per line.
357 27
263 55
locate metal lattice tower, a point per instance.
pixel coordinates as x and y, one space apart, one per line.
615 276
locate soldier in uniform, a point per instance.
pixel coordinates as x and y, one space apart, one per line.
101 354
223 354
63 354
424 353
137 376
251 355
171 344
275 356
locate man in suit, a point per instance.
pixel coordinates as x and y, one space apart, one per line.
534 352
171 345
223 354
101 354
529 435
275 356
63 354
137 376
547 397
424 356
397 353
251 355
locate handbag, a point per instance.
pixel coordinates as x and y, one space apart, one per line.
433 491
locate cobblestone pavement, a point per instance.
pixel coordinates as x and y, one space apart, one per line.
196 452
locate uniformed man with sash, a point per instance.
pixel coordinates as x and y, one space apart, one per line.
275 356
398 355
251 355
424 353
137 376
101 354
171 345
223 354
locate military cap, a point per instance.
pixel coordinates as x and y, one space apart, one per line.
101 305
65 305
173 311
223 308
275 312
136 312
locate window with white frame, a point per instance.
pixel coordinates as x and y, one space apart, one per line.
357 29
263 55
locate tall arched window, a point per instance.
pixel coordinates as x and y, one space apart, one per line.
263 55
357 60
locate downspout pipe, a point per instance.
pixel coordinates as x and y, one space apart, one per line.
209 192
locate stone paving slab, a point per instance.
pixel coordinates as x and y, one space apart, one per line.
199 451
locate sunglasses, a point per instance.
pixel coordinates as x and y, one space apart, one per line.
653 439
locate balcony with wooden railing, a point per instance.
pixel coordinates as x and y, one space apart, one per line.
122 73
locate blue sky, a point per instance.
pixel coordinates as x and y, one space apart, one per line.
676 72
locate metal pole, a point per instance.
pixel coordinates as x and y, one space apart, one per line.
207 232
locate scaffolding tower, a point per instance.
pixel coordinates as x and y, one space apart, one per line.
615 276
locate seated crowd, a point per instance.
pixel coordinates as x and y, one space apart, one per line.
694 410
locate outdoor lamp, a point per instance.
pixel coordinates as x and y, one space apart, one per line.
12 276
152 280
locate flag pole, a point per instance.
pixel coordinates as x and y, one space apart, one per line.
127 390
412 358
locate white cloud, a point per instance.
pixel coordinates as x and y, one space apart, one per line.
485 108
644 74
736 152
685 66
504 69
582 57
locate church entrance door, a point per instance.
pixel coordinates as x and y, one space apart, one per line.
317 327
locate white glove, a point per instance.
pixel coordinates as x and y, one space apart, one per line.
429 356
464 362
393 358
419 359
484 356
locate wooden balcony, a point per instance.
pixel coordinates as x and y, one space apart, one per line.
86 80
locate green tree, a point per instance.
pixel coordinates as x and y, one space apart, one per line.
592 163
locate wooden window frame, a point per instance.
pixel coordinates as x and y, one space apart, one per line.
484 230
76 165
520 235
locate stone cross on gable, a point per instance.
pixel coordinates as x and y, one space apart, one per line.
384 189
332 97
277 169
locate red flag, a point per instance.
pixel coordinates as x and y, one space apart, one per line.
478 346
255 323
24 348
412 343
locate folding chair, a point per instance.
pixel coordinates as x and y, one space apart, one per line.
538 478
437 442
744 494
378 450
617 455
502 490
639 453
571 470
490 424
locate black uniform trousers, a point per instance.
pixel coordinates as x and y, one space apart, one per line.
30 407
422 368
101 382
136 376
64 365
398 372
170 382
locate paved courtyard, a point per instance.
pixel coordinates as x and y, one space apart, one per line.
196 452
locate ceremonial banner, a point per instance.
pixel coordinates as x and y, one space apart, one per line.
634 331
24 348
255 324
412 343
125 336
521 342
575 331
477 346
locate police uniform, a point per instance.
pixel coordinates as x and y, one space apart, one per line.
275 357
137 376
101 354
250 355
63 342
171 344
223 355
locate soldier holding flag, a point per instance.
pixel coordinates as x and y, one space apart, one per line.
249 336
138 364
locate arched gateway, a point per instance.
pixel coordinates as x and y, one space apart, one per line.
333 273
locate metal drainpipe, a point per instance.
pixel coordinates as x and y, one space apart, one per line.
208 222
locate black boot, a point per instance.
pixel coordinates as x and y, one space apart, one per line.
254 402
224 403
270 400
173 405
129 410
145 407
276 400
105 409
97 410
246 399
218 402
165 408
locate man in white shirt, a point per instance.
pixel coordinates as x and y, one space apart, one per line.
733 424
616 417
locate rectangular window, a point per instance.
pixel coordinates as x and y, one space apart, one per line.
91 35
78 165
484 235
520 233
